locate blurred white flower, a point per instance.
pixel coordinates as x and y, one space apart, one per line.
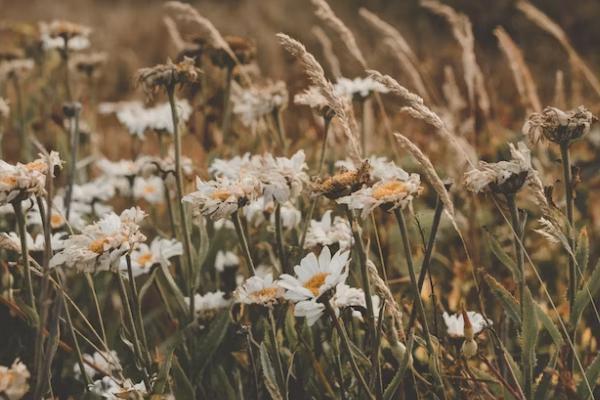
159 252
208 304
362 87
150 189
104 363
455 323
109 388
38 243
290 216
101 245
13 380
259 290
56 33
327 233
254 103
226 259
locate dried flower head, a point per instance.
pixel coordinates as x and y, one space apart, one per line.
561 127
61 35
343 183
244 50
167 76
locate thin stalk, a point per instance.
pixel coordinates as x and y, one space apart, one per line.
327 122
226 124
437 217
136 341
24 252
311 211
74 125
71 327
280 128
418 302
280 374
568 178
364 269
338 364
516 226
252 363
137 307
243 241
379 249
346 343
179 180
280 239
163 153
92 287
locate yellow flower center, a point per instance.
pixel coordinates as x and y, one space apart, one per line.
221 194
97 246
393 188
144 259
265 293
56 220
315 282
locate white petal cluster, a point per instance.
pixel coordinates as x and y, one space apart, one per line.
455 323
262 290
327 232
37 243
254 103
101 245
226 259
151 189
14 381
104 363
109 388
208 304
24 180
362 87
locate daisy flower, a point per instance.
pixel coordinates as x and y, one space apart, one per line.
290 216
14 380
60 34
558 126
101 245
20 181
455 324
283 178
208 304
109 388
151 189
230 168
222 197
104 363
358 87
259 290
38 243
143 257
327 232
255 103
380 168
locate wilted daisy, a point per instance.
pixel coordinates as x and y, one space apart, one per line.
160 251
14 380
455 323
64 34
254 103
358 87
558 126
259 290
101 245
502 177
139 119
167 75
99 364
18 182
391 194
380 168
327 232
222 197
150 189
209 304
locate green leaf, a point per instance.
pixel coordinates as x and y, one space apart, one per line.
163 374
182 387
592 373
516 369
269 373
144 288
168 285
585 295
391 389
582 251
510 304
289 328
212 340
549 325
503 257
223 385
529 336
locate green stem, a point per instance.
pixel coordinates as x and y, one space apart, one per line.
179 184
516 226
346 343
92 287
137 308
280 374
243 241
24 252
280 128
280 239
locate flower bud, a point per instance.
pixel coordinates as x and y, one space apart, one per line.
469 348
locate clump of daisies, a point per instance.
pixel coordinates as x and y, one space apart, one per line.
101 245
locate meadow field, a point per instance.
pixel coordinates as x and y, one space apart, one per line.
299 199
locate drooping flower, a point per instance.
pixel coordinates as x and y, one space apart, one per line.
504 176
101 245
143 257
455 323
558 126
259 290
14 380
283 178
167 75
327 232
